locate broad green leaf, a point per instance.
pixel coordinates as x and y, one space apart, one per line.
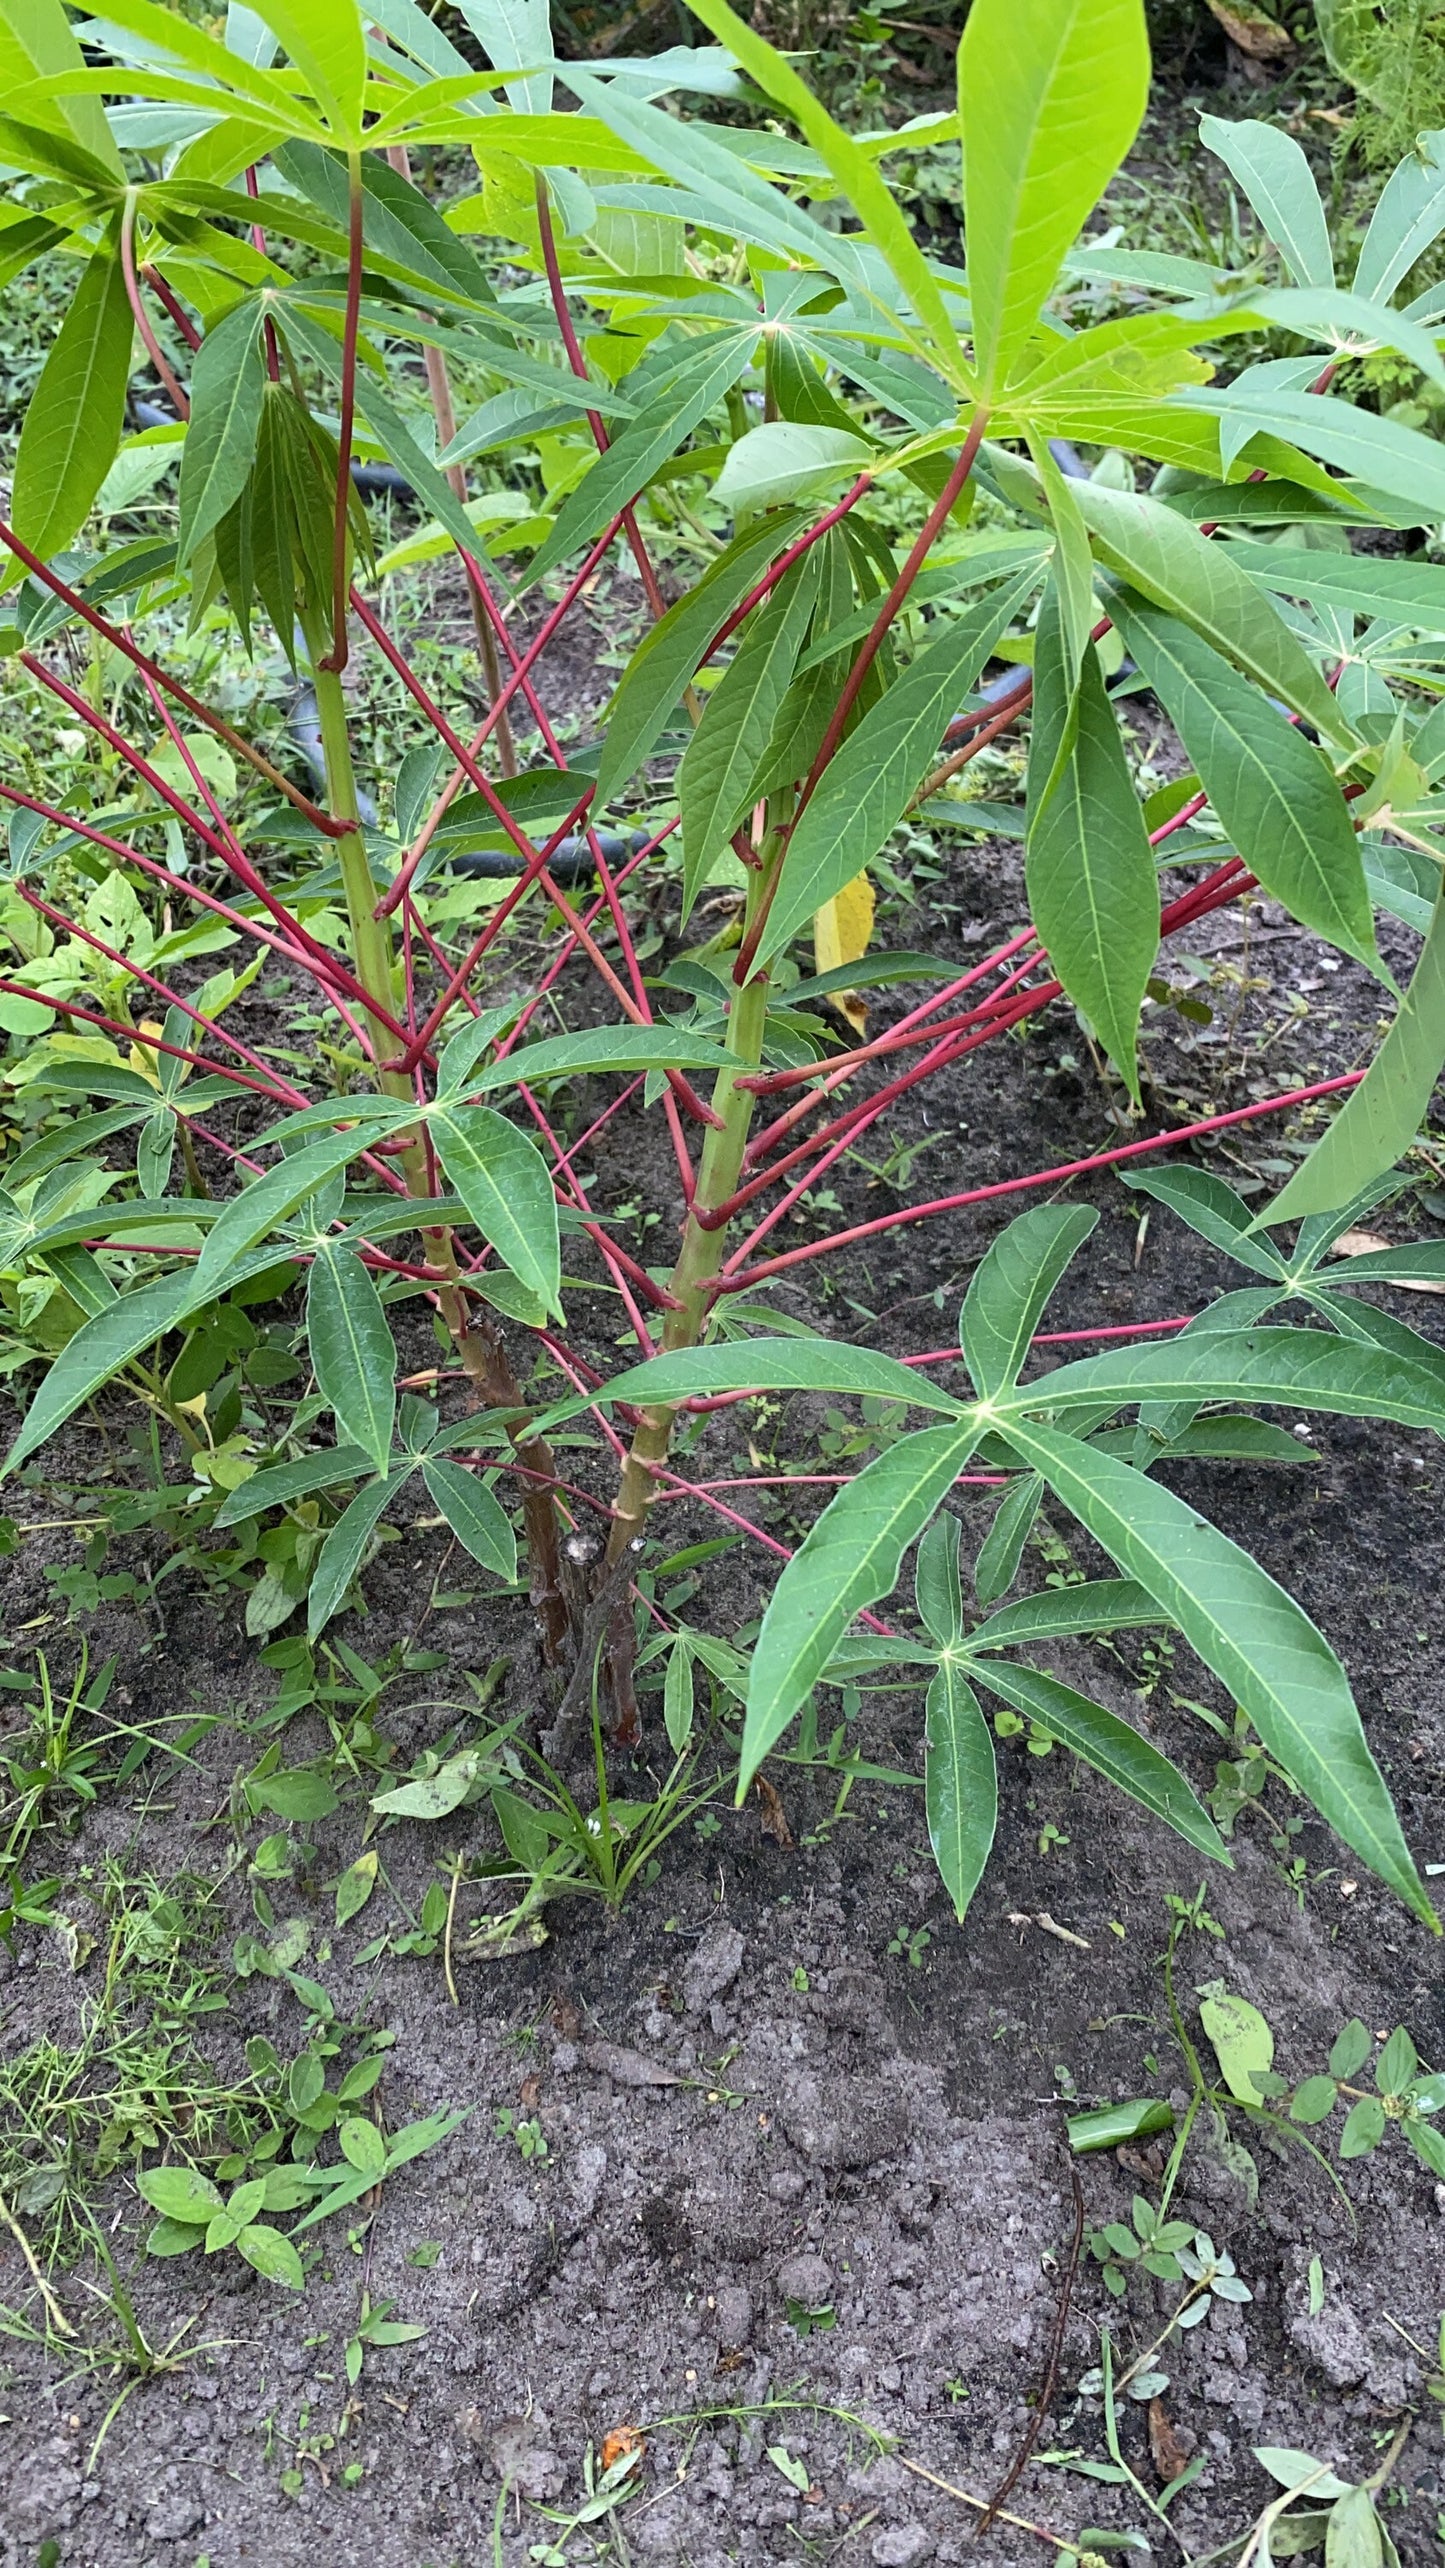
303 1794
37 44
96 1352
1364 2128
960 1784
228 386
1397 2063
937 1583
1092 882
1353 2538
1059 1613
433 1796
1408 219
624 1048
1295 2469
1159 553
502 1179
356 1886
326 40
173 2238
850 1558
1314 2100
179 2193
473 1515
266 1201
1343 321
857 175
1110 1745
764 1364
268 2249
787 459
353 1352
1274 794
1400 462
1011 1290
1051 94
1303 1368
1378 1122
1280 1669
1278 180
340 1556
292 1480
1407 591
1072 570
362 2144
1351 2049
864 793
1001 1550
674 407
715 778
517 35
1241 2041
74 417
671 650
1210 1207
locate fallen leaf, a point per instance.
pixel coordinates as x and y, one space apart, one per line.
628 2068
1170 2450
774 1821
566 2015
841 931
624 2443
530 2094
1261 37
1357 1243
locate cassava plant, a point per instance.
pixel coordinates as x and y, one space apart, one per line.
279 237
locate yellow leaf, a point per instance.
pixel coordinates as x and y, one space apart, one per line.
841 930
140 1056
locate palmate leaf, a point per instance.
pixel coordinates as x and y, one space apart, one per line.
938 1584
850 1558
37 43
353 1352
1051 94
74 417
1303 1368
960 1784
1110 1745
1280 185
763 1364
341 1553
1259 1642
228 387
715 778
473 1515
502 1179
267 1201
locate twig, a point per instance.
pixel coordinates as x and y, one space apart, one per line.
1019 2463
983 2506
53 2310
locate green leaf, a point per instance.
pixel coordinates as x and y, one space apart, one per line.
1358 583
762 1364
1001 1550
715 778
362 2145
473 1515
671 650
1399 462
228 388
356 1886
1351 2049
178 2193
960 1784
74 417
1409 217
303 1794
37 44
1307 1368
266 2248
1241 2041
398 222
1397 2063
937 1583
851 1556
1364 2128
267 1201
1281 1671
1278 180
1092 882
623 1048
1108 1744
1313 2101
1057 1613
1333 319
1159 553
1275 796
674 407
1012 1288
1210 1207
433 1796
1429 2147
1378 1122
502 1179
353 1351
173 2238
854 169
678 1695
98 1351
326 40
1353 2538
864 792
516 34
340 1556
1051 94
1072 569
787 459
292 1480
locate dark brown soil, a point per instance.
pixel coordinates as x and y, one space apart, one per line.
823 2121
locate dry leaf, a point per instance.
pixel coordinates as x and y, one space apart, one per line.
624 2443
841 930
1257 35
1170 2450
628 2068
530 2094
774 1821
1357 1243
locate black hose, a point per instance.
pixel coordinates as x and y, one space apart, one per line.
371 481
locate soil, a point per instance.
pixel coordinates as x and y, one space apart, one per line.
754 2102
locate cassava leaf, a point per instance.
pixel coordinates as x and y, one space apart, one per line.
1280 185
960 1783
353 1351
473 1515
1011 1290
502 1179
1110 1745
74 417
